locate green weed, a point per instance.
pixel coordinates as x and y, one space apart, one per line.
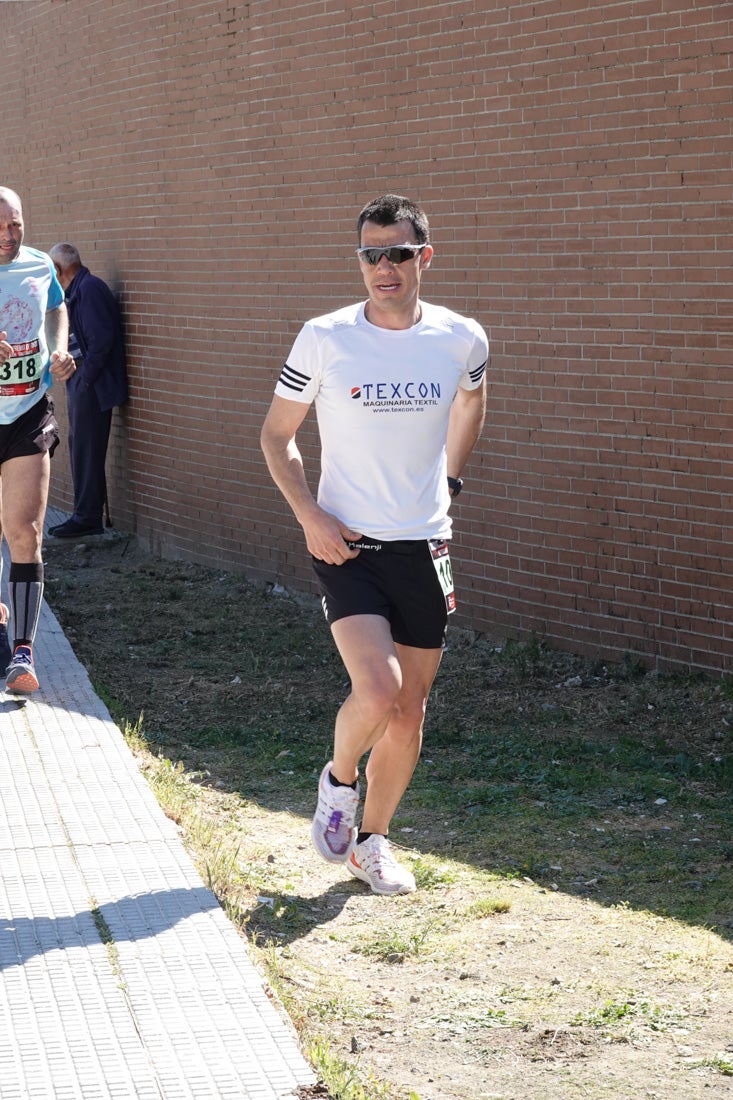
343 1080
723 1063
487 907
430 874
394 946
615 1012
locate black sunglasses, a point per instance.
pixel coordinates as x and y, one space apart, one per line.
395 255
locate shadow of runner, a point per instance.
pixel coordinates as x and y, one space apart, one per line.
285 918
129 919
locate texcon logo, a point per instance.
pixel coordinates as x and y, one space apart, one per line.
396 391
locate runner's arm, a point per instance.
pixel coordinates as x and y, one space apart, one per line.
57 335
464 426
57 329
324 533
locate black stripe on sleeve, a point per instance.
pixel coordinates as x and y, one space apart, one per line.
477 373
293 379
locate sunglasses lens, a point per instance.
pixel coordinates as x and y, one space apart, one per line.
396 255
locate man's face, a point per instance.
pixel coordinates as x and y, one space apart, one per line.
393 288
11 231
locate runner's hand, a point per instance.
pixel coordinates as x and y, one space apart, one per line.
62 365
326 538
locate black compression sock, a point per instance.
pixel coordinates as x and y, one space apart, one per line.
335 782
25 584
361 837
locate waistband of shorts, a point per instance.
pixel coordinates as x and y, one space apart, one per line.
388 546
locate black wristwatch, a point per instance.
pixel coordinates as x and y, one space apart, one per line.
455 484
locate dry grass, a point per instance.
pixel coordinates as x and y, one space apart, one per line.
568 825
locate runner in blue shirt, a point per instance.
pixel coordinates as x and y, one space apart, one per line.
33 352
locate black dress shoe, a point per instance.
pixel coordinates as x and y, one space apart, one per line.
73 530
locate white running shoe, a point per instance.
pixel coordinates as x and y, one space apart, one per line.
332 831
373 862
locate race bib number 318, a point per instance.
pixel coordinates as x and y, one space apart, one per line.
21 373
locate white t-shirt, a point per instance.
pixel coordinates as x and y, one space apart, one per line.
383 398
28 290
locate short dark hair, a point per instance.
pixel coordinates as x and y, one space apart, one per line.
390 209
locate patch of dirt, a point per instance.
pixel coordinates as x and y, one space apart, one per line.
498 978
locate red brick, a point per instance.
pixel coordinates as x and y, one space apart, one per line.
576 161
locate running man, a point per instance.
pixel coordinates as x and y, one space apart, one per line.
399 389
32 322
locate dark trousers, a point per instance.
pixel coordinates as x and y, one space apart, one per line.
89 429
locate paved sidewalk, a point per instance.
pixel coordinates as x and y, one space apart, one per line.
120 976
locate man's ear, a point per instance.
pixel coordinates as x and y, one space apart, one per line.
426 256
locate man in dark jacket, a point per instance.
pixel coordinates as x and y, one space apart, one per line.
100 383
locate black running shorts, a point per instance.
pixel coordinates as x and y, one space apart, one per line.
397 580
35 432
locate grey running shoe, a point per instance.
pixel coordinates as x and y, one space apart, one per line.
332 831
373 863
20 677
6 653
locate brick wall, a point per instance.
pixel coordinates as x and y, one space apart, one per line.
575 160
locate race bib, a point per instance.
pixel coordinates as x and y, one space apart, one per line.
441 561
21 373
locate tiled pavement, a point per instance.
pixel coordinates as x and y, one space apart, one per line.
120 976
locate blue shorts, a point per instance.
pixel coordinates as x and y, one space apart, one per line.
35 432
397 580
